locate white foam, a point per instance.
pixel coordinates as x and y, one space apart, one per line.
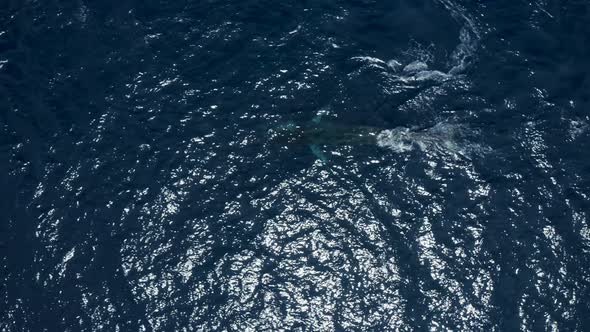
393 64
443 137
432 75
416 66
370 60
418 71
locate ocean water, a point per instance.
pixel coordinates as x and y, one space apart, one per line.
431 170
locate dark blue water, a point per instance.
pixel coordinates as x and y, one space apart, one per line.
146 186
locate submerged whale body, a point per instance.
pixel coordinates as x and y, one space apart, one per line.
440 137
324 134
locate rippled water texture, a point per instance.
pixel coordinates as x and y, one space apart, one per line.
143 190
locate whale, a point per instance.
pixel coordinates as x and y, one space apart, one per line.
441 137
319 133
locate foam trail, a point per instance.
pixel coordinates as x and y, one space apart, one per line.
468 37
459 59
442 137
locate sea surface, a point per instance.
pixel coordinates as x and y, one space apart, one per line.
434 173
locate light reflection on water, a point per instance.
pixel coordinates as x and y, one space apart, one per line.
146 196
